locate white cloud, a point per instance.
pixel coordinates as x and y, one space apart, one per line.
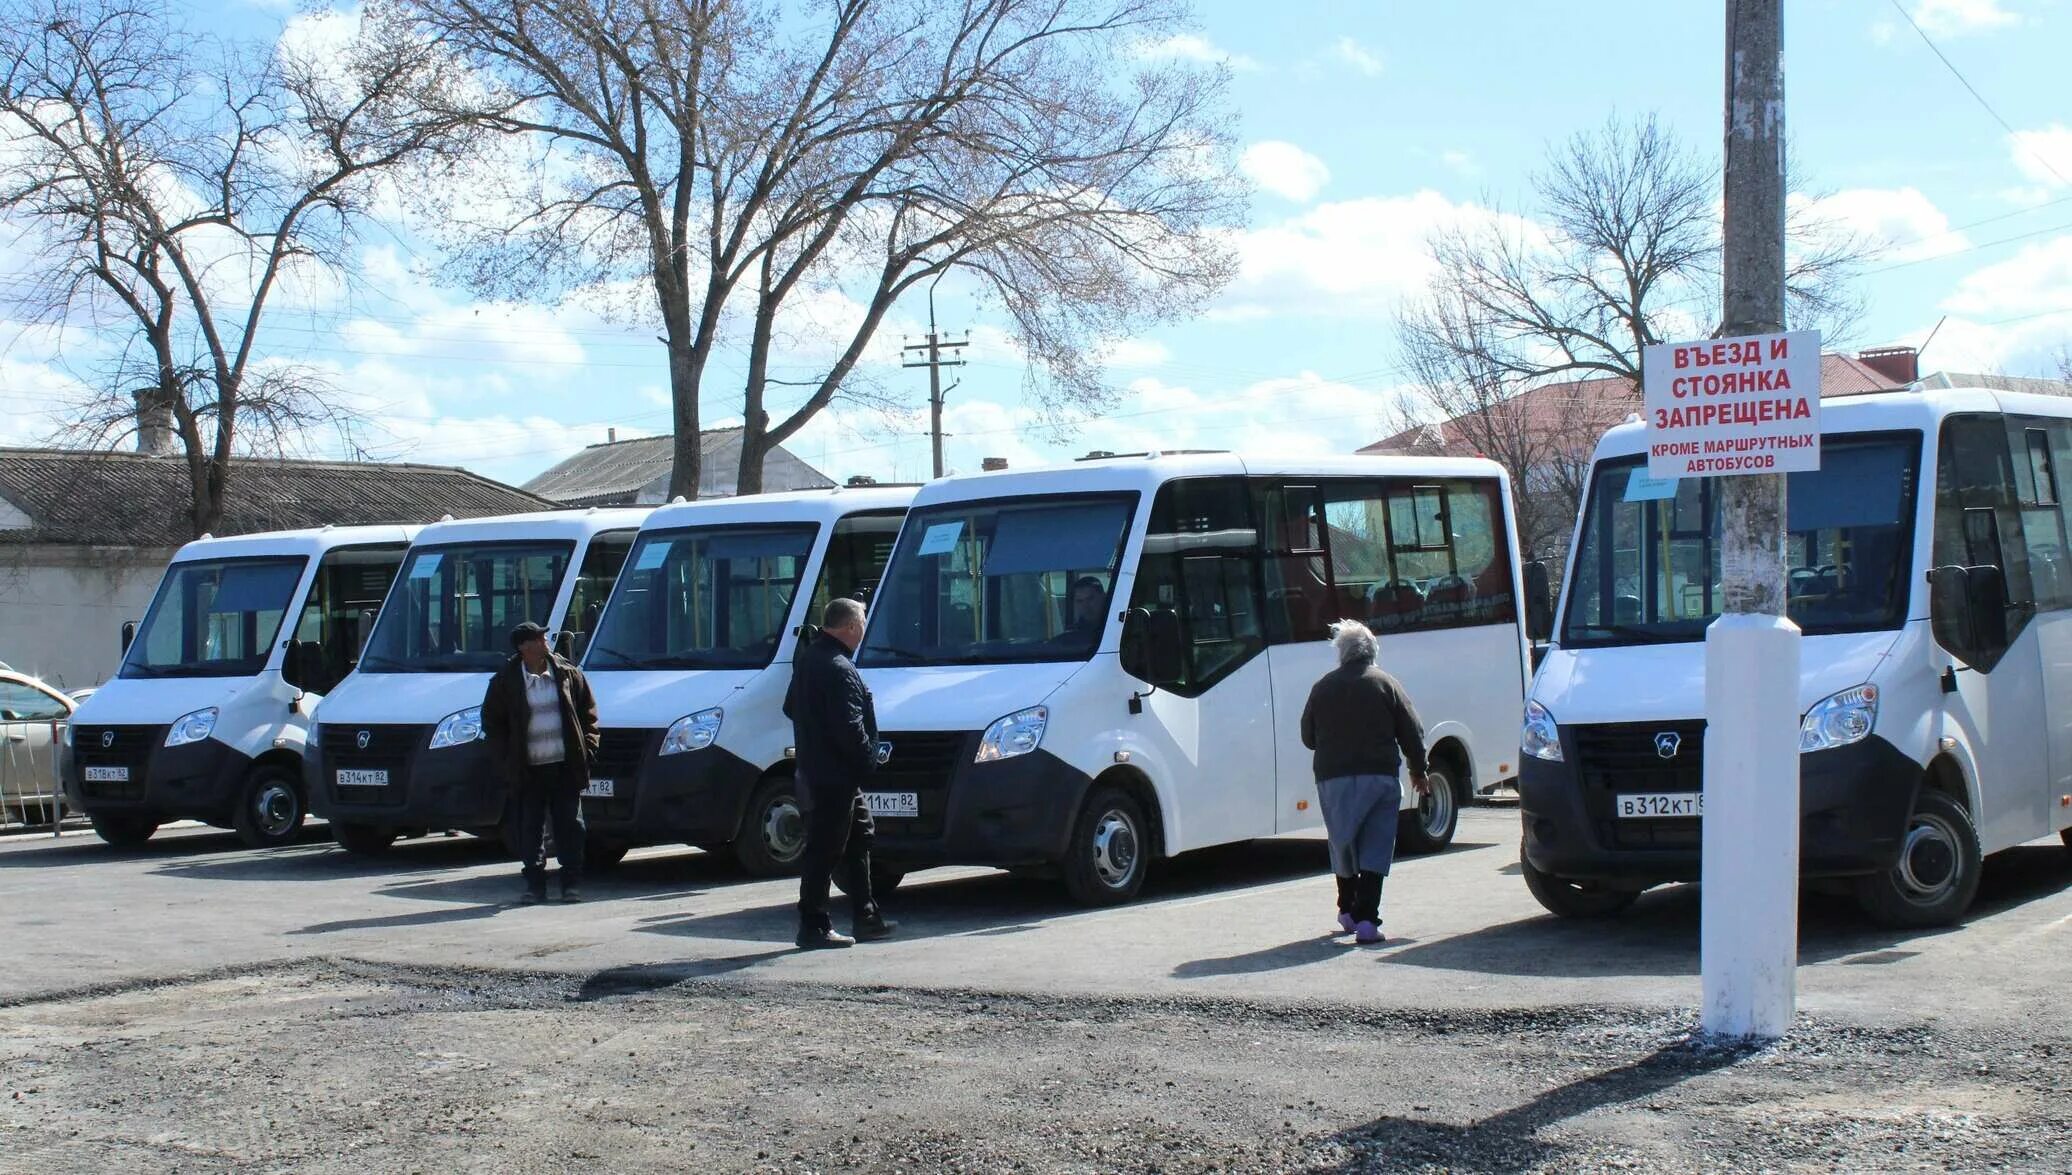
1956 18
1358 56
1901 223
1350 258
2035 280
1284 169
1193 47
2044 156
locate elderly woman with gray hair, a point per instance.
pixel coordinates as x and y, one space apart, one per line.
1360 723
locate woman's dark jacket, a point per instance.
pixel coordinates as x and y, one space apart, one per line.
1357 719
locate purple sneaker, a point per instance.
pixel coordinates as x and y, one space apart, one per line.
1367 934
1345 923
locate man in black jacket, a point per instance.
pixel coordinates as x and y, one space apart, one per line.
541 724
835 730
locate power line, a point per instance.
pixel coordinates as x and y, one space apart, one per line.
1966 83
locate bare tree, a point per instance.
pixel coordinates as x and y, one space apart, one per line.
169 186
1528 313
852 148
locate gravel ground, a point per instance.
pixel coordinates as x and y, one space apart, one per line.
336 1065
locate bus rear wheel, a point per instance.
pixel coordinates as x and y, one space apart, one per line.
1105 862
1937 873
1567 898
1429 826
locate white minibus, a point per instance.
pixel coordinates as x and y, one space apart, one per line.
208 715
398 747
692 659
1087 668
1930 573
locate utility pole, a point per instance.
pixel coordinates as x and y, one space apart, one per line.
934 348
1749 898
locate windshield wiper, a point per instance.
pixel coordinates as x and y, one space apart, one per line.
894 651
625 660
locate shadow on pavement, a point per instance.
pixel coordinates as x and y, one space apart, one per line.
397 921
1000 903
1291 954
1659 935
1510 1141
644 977
45 852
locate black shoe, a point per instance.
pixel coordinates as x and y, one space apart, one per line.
532 897
873 928
820 940
571 894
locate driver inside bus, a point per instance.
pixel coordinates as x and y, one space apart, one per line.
1088 601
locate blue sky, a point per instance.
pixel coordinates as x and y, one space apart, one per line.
1367 125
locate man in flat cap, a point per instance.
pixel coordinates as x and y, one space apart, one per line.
541 724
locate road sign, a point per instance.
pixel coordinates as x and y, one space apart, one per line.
1723 407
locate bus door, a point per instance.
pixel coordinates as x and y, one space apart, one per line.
2042 452
1300 607
1201 560
2006 699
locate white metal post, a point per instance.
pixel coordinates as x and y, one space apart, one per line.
1748 940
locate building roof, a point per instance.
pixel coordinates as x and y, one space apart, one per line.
1598 403
636 471
91 498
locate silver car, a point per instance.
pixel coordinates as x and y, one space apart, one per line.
33 716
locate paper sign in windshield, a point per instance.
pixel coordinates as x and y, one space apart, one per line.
941 538
1642 488
652 555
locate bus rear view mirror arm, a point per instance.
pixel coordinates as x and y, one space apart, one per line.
1967 610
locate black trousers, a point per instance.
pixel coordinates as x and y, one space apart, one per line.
541 796
838 830
1360 896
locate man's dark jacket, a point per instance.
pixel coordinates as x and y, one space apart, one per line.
834 724
506 715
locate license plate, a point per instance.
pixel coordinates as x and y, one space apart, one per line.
1658 805
893 803
601 789
107 774
362 778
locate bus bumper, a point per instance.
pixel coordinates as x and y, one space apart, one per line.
1015 811
692 797
452 787
1854 803
196 781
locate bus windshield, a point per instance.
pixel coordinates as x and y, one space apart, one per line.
1013 580
453 607
703 598
214 618
1647 565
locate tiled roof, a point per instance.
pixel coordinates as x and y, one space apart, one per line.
131 499
636 472
1557 404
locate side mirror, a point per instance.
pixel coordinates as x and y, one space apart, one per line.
1967 612
1152 649
808 633
1539 602
302 666
363 627
565 645
129 635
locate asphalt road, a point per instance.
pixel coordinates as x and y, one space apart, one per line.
197 1006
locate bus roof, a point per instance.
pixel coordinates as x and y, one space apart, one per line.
1921 409
311 541
823 505
1146 472
579 525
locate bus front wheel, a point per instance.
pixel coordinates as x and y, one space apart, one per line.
1430 825
1567 898
772 836
124 832
1104 864
1937 873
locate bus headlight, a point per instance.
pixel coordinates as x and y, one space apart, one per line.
1017 734
191 728
1839 720
692 732
1540 738
461 726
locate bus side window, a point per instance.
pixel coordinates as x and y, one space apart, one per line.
1201 560
1978 516
2039 454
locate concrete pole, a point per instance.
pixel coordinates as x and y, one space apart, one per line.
934 390
1749 885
